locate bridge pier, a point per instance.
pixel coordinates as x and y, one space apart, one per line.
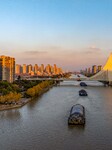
106 83
110 83
57 82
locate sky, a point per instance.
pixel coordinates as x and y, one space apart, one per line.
74 34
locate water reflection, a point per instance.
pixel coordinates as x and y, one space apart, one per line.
34 102
76 127
12 114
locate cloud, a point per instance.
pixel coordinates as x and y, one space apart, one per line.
64 57
35 52
93 47
92 50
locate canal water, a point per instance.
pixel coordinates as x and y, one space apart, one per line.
42 123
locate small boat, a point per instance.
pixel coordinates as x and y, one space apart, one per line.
83 84
78 75
83 93
77 115
78 79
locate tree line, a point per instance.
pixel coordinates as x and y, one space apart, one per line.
11 93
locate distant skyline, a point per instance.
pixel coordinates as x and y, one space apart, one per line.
73 34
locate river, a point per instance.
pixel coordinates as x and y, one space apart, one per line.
42 123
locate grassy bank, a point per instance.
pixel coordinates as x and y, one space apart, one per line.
30 94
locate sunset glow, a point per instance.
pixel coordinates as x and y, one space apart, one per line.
72 34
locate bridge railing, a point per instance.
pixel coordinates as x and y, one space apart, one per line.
58 79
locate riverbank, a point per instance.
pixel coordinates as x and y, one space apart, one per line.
22 101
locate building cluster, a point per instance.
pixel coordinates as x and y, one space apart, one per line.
38 70
91 70
9 70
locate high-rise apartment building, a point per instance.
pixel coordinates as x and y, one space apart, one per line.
7 68
30 68
48 69
99 68
94 69
35 68
89 71
18 69
24 69
0 68
55 69
42 68
60 70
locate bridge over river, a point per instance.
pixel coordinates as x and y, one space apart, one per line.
73 77
73 80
